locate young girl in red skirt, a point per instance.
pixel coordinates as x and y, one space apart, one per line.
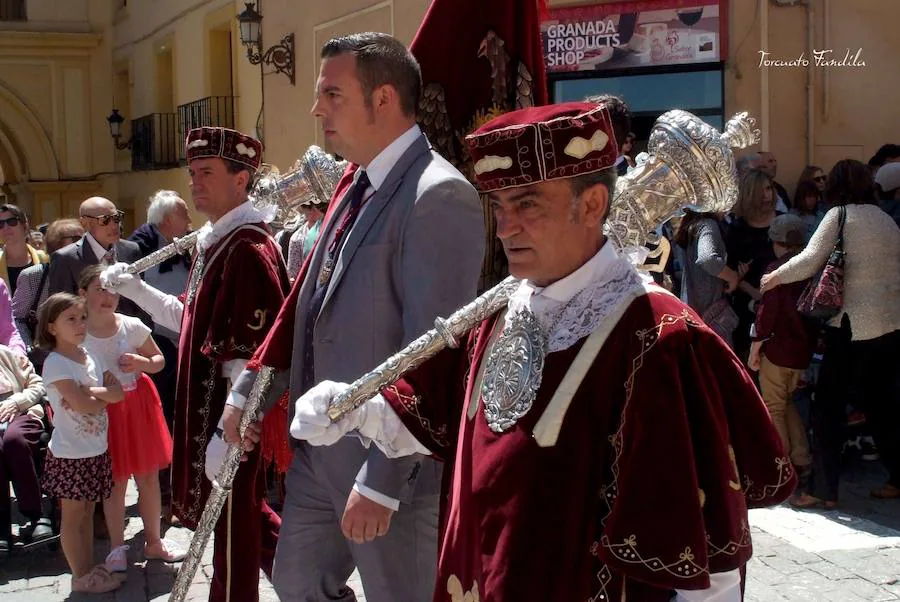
77 469
139 441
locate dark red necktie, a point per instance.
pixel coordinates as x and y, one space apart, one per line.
357 200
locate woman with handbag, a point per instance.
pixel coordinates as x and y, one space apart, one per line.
706 277
857 250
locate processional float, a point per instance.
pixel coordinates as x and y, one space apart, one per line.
691 166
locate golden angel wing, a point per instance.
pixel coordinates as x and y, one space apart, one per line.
435 122
524 87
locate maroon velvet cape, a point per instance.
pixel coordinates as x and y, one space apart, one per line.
242 289
664 447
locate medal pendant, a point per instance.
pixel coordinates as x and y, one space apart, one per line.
325 274
513 372
196 275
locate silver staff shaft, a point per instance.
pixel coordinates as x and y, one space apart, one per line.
221 489
446 333
177 247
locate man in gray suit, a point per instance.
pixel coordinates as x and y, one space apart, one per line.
403 246
101 243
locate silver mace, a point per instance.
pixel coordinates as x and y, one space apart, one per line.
692 166
221 488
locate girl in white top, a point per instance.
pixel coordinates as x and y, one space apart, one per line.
78 469
139 439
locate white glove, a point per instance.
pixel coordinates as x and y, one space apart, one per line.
311 422
380 423
115 279
215 456
166 310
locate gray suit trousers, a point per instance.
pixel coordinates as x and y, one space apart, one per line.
314 559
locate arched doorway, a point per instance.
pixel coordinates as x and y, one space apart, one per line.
29 166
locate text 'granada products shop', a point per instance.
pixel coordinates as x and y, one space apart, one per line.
655 54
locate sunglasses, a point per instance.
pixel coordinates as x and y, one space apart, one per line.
104 220
820 178
12 222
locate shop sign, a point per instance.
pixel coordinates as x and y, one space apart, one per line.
634 34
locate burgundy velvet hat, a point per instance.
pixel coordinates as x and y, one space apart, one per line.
205 142
542 143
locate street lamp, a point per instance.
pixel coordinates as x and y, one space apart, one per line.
280 56
115 121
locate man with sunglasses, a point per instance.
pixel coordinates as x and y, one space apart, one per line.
101 243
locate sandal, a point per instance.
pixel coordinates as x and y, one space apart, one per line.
167 551
886 492
117 560
38 530
804 501
97 581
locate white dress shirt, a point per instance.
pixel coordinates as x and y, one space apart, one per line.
96 247
378 170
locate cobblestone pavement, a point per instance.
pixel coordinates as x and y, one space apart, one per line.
845 555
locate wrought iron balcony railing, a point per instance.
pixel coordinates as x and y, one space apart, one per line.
212 110
155 142
12 10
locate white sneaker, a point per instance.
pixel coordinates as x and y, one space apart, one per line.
117 560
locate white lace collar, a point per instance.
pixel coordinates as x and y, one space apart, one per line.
244 213
572 307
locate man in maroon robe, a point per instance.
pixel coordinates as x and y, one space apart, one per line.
605 443
237 284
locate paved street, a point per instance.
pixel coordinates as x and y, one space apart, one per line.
846 555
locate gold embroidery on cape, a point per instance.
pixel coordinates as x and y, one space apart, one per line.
260 315
627 550
604 576
251 349
785 474
411 405
732 547
455 589
198 465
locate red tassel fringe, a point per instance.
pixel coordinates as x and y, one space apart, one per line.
275 447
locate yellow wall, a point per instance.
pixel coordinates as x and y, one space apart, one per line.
179 51
62 72
52 133
854 109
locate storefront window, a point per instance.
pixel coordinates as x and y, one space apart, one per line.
649 95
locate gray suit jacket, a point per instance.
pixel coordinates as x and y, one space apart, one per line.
414 254
66 265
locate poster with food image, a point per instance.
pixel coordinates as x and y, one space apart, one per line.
624 35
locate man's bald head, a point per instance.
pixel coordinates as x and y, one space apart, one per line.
100 218
97 205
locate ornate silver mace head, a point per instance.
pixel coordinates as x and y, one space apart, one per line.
313 177
691 166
